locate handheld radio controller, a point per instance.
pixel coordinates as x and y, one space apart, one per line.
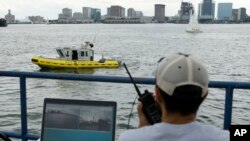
150 108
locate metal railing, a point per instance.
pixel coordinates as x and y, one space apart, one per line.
24 135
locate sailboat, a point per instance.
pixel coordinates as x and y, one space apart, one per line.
47 22
193 26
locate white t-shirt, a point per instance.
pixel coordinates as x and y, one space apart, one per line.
193 131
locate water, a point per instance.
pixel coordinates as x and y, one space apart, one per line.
224 49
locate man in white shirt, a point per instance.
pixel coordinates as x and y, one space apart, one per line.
181 86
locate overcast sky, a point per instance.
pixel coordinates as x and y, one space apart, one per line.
51 8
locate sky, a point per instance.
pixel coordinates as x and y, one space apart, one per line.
49 9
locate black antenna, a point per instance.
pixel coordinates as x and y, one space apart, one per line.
132 80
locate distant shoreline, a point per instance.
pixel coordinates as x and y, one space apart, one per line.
129 23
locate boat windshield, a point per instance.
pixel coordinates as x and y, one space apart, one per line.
59 51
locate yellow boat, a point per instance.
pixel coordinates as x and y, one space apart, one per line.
75 58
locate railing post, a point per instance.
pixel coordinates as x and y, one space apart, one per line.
228 108
23 108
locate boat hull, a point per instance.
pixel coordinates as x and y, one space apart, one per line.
3 23
50 63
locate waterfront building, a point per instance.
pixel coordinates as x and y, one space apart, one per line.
199 10
242 15
121 20
138 14
87 21
86 11
65 16
67 12
9 17
108 11
78 17
235 14
174 19
62 18
117 11
206 11
37 19
184 12
159 13
146 19
225 11
127 20
96 14
131 12
207 7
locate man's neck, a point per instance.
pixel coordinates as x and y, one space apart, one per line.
178 119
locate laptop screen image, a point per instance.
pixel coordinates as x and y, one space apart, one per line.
78 120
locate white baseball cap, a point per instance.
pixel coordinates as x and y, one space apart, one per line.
181 70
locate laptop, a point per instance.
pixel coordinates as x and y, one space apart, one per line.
78 120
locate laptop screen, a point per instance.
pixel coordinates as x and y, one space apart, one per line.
78 120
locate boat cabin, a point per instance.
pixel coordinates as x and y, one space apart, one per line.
84 53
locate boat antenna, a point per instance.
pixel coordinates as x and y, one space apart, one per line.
82 40
94 39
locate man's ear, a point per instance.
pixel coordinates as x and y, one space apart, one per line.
158 97
206 95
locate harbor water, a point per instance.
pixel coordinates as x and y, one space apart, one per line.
224 49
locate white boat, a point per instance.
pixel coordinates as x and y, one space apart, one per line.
193 26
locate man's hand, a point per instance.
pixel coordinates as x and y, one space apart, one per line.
142 118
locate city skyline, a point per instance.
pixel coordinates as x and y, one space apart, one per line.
50 9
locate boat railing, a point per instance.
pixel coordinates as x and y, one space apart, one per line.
25 135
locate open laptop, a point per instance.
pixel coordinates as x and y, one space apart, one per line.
78 120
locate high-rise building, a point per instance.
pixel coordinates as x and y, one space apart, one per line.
96 14
9 17
131 12
65 16
67 12
235 14
207 7
108 11
206 10
225 11
117 11
242 15
183 13
160 13
77 16
61 17
138 14
185 8
86 12
199 10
